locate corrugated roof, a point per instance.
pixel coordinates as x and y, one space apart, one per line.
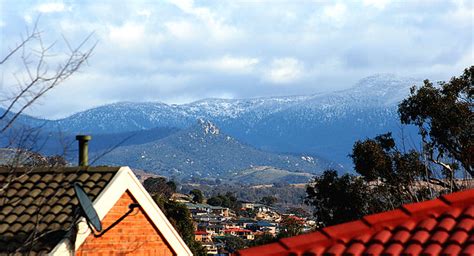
434 227
37 205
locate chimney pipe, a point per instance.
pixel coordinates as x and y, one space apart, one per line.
83 149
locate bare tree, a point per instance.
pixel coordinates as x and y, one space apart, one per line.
38 77
43 67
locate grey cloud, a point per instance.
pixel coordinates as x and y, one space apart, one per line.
177 55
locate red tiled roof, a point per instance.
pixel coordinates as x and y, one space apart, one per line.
439 226
295 217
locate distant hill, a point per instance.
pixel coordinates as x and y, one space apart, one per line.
268 175
204 151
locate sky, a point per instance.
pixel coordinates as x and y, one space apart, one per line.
181 51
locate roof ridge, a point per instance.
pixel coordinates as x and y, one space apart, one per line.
11 170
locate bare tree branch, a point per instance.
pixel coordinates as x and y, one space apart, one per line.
30 36
39 81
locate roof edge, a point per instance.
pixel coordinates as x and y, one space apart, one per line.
373 222
68 169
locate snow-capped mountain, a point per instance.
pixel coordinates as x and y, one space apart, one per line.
324 124
378 90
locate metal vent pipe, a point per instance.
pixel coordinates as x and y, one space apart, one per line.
83 149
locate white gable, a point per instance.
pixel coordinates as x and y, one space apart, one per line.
125 180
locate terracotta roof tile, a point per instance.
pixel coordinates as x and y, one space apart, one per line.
364 238
374 249
421 236
413 249
393 249
316 251
356 248
382 236
458 237
446 224
469 250
408 225
401 236
432 249
439 237
453 212
335 249
427 224
440 226
452 249
45 195
469 212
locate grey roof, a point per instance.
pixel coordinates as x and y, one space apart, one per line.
38 205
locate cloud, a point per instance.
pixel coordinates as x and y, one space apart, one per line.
335 14
128 35
182 29
144 12
379 4
214 24
226 63
175 51
51 7
284 71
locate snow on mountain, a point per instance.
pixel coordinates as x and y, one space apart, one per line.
324 124
227 108
383 90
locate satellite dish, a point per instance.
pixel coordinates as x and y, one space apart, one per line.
86 205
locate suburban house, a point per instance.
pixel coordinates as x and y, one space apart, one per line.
247 205
181 198
245 222
239 232
266 226
222 211
40 213
202 236
443 226
203 209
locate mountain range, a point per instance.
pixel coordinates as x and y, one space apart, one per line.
321 126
